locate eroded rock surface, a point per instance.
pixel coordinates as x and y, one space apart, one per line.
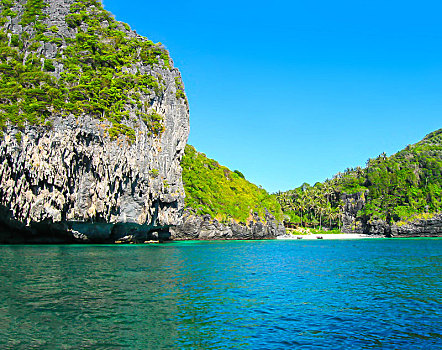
423 227
195 227
429 225
73 183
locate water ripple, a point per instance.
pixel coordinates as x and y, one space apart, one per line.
367 294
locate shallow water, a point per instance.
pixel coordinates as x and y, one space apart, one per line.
360 294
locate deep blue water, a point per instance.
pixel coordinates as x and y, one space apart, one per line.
353 294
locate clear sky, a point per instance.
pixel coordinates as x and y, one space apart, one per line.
294 91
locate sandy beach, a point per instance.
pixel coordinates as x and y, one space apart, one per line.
329 236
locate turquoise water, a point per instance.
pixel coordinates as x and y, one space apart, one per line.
352 294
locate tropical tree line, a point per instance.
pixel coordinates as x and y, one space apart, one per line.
394 188
312 206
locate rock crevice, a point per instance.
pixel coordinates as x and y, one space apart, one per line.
422 225
197 227
72 181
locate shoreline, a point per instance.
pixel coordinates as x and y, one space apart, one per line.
328 236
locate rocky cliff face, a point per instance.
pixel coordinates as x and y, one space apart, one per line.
424 225
88 176
195 227
352 204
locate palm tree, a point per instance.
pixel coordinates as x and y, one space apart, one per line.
319 205
321 210
329 214
359 171
302 206
283 200
328 191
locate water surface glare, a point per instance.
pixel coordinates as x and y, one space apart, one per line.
349 294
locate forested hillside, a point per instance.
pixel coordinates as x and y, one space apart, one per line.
395 189
91 65
224 194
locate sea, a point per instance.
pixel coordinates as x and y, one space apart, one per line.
323 294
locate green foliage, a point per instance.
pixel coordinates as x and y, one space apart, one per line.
214 189
154 121
18 137
395 188
240 174
180 94
33 12
180 89
154 172
5 11
15 40
48 66
118 129
95 79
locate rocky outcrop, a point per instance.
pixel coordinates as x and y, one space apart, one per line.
72 182
352 204
427 225
97 189
195 227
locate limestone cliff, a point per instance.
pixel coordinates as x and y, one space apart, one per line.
418 225
94 127
423 225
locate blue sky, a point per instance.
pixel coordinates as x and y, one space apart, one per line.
295 91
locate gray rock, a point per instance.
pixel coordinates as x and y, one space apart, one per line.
352 204
196 227
427 226
72 183
423 227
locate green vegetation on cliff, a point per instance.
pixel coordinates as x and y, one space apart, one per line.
394 188
224 194
93 69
